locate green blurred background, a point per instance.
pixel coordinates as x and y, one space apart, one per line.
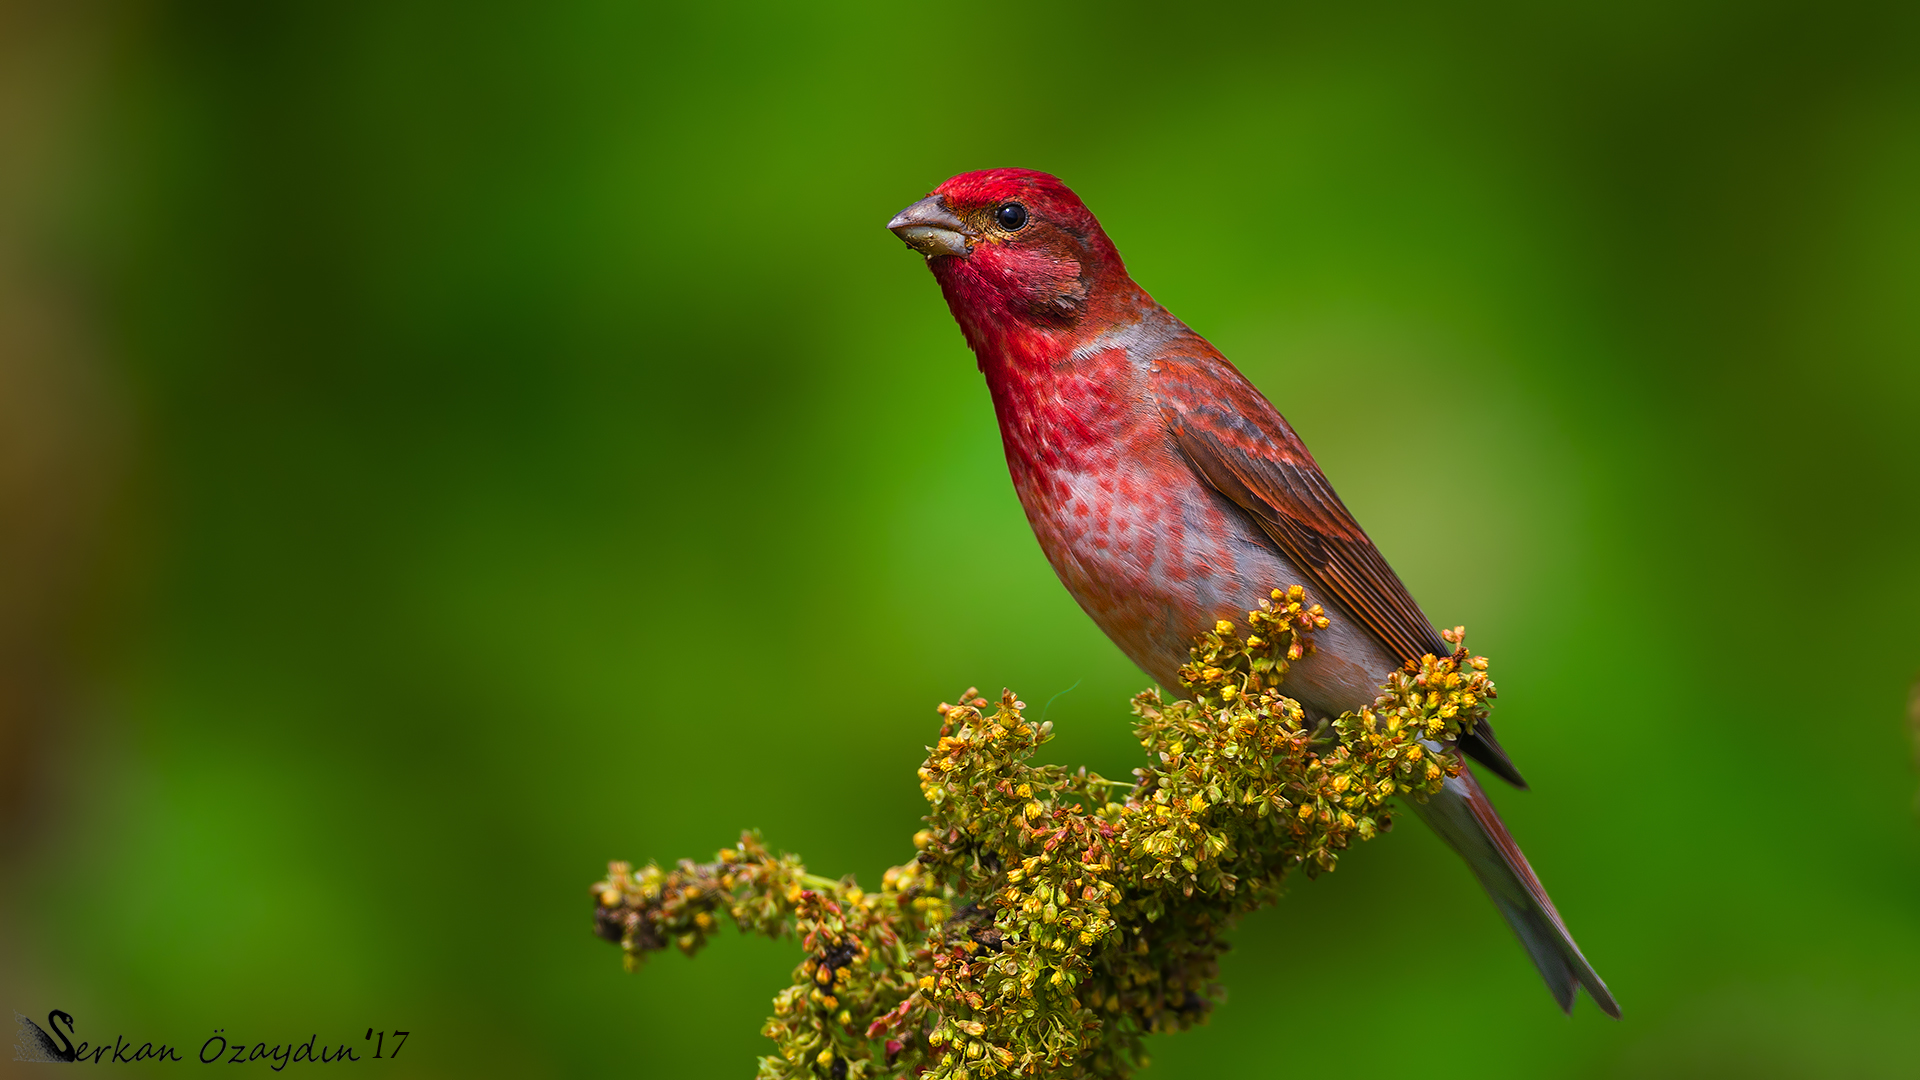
442 449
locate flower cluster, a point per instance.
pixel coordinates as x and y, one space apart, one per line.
1052 918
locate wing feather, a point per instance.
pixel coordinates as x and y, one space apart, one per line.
1241 445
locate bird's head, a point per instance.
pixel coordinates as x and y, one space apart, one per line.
1011 244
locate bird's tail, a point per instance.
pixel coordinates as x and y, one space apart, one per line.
1465 819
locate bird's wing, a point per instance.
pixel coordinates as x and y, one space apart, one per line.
1241 446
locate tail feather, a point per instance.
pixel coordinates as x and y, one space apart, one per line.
1464 817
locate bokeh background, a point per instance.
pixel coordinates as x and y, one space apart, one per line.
445 448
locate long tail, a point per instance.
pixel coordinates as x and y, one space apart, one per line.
1465 819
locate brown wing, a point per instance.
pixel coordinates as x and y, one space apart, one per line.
1241 445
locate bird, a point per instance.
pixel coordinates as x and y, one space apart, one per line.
1169 494
37 1045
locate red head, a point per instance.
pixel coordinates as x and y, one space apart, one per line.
1014 250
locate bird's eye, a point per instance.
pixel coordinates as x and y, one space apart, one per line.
1012 217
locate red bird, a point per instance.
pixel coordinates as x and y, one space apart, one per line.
1168 493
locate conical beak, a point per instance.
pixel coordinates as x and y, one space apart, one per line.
930 228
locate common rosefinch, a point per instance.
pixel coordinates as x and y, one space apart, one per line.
1168 493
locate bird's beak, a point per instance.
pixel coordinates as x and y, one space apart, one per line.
930 228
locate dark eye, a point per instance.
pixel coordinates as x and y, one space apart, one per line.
1012 217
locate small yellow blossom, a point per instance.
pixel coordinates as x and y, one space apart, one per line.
1113 894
